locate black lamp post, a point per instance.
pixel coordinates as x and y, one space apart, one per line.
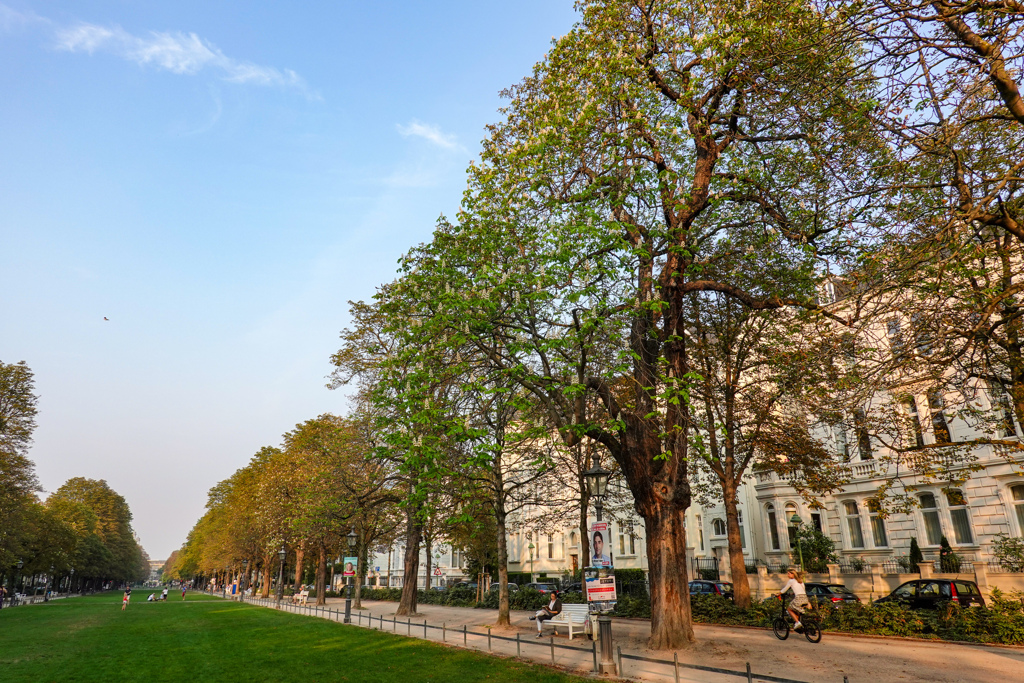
46 592
280 574
245 578
71 579
351 538
17 575
597 486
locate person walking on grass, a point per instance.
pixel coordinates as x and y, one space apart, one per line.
183 591
126 598
552 609
163 596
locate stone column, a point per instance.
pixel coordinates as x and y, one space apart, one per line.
878 586
762 582
981 578
926 569
833 573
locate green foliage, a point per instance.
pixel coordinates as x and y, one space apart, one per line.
949 561
818 549
1009 552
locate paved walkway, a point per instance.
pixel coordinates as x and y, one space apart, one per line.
862 660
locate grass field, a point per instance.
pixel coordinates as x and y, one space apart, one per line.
207 639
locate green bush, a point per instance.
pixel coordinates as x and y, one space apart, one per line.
1009 552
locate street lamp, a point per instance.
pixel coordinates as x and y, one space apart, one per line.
14 598
597 485
71 579
282 553
351 538
796 522
532 577
245 577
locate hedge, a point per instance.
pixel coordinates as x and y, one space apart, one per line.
1001 621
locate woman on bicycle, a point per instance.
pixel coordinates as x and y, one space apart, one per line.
799 601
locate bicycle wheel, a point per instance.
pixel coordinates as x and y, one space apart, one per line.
812 632
781 628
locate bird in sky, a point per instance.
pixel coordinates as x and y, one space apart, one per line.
106 318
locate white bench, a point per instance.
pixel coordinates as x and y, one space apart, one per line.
570 615
301 597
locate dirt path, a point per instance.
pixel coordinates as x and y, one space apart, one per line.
862 660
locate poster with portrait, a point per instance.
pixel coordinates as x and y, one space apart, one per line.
350 566
600 542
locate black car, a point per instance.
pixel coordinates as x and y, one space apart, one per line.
542 587
835 594
723 588
512 588
930 593
575 587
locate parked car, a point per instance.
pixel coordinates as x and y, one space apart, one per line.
929 593
830 593
471 585
512 588
702 587
575 587
542 587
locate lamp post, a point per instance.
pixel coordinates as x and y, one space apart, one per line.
532 577
224 584
351 538
71 579
796 522
46 591
245 577
282 553
17 574
597 486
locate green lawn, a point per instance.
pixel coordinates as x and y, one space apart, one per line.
208 639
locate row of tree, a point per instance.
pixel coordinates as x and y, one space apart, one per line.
703 235
81 532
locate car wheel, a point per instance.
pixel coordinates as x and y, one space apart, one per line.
781 628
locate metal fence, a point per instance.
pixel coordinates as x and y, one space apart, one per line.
705 568
953 565
854 567
381 623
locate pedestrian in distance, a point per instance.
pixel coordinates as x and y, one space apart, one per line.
183 592
163 596
126 598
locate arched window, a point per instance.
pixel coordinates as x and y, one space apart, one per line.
853 524
574 540
790 528
960 517
1018 505
718 526
773 526
877 525
930 514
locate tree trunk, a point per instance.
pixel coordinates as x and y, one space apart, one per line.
671 620
429 548
503 606
413 534
362 557
737 563
321 573
265 588
584 526
300 555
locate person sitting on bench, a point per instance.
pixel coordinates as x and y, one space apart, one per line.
553 608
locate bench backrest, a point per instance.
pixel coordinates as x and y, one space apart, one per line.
574 611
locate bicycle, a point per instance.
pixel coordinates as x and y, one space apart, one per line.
809 622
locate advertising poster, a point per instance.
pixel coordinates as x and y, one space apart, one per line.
600 540
350 566
601 589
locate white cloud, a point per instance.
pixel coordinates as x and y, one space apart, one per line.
11 19
430 133
179 53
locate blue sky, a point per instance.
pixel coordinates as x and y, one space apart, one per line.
219 180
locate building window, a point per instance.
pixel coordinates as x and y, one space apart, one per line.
895 337
853 524
1004 412
718 527
458 558
930 513
863 438
773 527
877 525
626 540
517 541
551 546
842 445
743 536
939 425
910 406
959 516
816 521
700 532
790 511
1018 506
574 540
